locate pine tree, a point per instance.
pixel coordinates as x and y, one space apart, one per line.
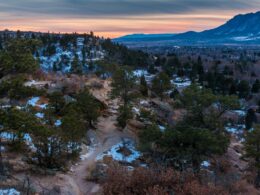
57 101
73 130
76 66
125 113
161 84
88 106
256 86
143 86
243 89
252 147
17 57
123 81
250 119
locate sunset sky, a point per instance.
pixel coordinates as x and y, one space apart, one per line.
113 18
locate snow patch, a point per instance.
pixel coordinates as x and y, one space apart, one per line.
10 191
33 101
181 82
39 115
58 123
139 73
240 112
205 164
235 129
115 153
162 128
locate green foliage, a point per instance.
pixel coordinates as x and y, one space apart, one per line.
123 81
57 101
186 145
250 119
18 123
17 57
105 69
125 113
15 89
73 130
149 136
243 89
49 148
88 105
143 86
199 136
76 66
256 86
146 115
160 84
119 54
252 147
172 65
198 100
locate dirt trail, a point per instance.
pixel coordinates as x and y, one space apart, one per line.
102 139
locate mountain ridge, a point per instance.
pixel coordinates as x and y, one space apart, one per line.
241 29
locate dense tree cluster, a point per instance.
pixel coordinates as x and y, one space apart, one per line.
122 55
197 137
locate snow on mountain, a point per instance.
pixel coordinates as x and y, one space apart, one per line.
241 29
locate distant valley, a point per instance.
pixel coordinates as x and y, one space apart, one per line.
240 30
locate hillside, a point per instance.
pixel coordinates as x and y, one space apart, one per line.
76 52
241 29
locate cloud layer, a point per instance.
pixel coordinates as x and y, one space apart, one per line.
119 14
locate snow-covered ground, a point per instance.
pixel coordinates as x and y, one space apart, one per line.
136 110
90 150
57 123
162 128
10 191
139 73
39 115
33 101
205 164
181 82
116 154
240 112
11 136
235 129
63 58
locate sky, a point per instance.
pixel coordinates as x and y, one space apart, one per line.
113 18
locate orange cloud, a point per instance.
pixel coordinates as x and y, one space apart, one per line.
114 27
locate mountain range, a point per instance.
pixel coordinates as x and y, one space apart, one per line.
241 29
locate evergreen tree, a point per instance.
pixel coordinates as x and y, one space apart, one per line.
17 57
57 101
187 145
123 81
76 66
161 84
256 86
252 147
88 106
243 89
250 119
143 86
73 130
125 113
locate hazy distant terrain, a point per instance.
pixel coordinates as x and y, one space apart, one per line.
240 30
